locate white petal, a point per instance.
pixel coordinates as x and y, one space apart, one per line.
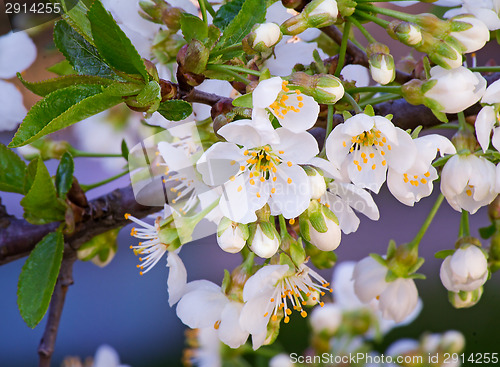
402 153
338 145
252 317
266 92
302 120
298 147
201 308
357 73
369 279
367 173
216 164
177 278
106 356
263 280
292 194
241 132
399 299
348 220
17 53
485 121
12 110
230 331
492 94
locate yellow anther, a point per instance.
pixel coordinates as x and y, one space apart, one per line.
240 188
273 190
127 215
372 155
216 325
289 180
252 182
287 319
258 194
292 221
232 178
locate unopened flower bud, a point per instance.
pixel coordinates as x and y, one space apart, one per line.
321 13
465 299
469 32
281 360
231 236
465 270
326 319
320 226
452 341
317 183
464 139
381 62
445 55
294 25
161 12
264 239
324 88
196 57
262 38
291 4
406 32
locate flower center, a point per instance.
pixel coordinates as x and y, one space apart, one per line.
416 180
365 141
469 189
284 104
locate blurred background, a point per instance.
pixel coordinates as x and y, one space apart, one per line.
116 306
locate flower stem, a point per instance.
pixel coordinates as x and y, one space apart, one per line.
486 69
343 48
103 182
462 124
363 30
353 102
209 8
329 122
395 89
203 10
384 98
464 230
416 241
235 47
79 153
389 12
381 22
223 67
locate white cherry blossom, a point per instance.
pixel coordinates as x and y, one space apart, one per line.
465 270
409 187
487 119
468 182
294 111
255 171
486 10
274 288
366 146
475 37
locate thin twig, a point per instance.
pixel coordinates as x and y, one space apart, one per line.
65 279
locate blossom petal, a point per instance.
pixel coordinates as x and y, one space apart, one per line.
399 299
201 308
402 153
292 194
241 132
485 121
302 120
17 53
216 164
289 143
264 279
366 173
230 331
266 92
177 278
12 110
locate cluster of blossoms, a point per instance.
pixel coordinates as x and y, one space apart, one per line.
257 166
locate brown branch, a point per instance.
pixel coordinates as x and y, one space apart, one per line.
358 55
65 279
103 214
198 96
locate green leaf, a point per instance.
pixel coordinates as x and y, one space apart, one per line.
62 68
64 175
175 110
193 27
41 204
61 109
125 150
76 16
84 57
112 43
46 87
251 13
38 278
12 171
227 13
243 101
149 94
29 177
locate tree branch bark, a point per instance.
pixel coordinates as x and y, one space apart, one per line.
107 212
65 279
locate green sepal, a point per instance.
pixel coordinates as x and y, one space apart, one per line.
168 235
286 260
320 65
427 67
416 276
304 226
149 94
61 109
269 230
245 232
175 110
487 232
12 171
113 44
46 87
243 101
80 53
38 278
101 249
369 110
329 214
416 266
391 249
443 254
297 252
318 222
193 27
226 282
389 116
441 116
41 204
390 276
64 174
379 259
416 131
346 115
224 224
